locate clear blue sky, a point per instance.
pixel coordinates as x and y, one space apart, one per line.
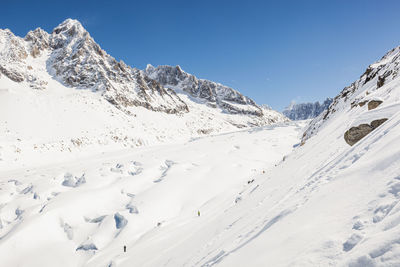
271 51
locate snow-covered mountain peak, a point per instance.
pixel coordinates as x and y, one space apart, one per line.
149 68
71 27
12 48
71 33
39 41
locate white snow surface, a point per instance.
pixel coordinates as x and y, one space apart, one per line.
72 210
80 179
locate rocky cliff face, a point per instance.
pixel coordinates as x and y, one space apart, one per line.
214 94
304 111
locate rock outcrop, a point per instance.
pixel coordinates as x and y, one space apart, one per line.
373 104
355 134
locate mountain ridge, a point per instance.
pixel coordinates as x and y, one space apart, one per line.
76 60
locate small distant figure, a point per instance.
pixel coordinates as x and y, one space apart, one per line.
124 248
158 224
263 171
198 213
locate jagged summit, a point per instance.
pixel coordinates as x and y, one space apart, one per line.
71 26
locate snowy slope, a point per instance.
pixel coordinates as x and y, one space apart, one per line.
325 204
379 83
82 211
305 111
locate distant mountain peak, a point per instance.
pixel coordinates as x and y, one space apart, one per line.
303 111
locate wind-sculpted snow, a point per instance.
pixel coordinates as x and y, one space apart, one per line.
71 181
89 223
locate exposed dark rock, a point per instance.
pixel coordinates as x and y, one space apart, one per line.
373 104
376 123
370 73
12 75
361 104
380 82
355 134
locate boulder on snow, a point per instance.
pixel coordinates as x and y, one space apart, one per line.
376 123
373 104
361 104
12 74
355 134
